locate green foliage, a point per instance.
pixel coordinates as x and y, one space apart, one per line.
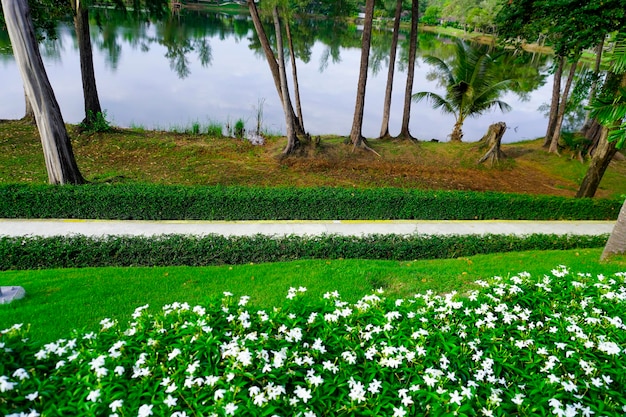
239 129
157 202
82 252
215 130
96 123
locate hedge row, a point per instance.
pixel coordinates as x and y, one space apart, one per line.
154 202
81 251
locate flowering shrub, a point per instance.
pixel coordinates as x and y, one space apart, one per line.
521 345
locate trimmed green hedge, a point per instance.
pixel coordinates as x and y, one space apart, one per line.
81 251
155 202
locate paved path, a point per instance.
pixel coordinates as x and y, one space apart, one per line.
43 227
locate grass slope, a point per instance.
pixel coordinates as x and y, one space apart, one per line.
60 300
176 158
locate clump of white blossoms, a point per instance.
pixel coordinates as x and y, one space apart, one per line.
552 344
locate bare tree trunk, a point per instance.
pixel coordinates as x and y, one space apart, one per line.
294 73
493 139
604 153
57 148
410 73
356 135
29 113
617 241
292 140
384 129
554 105
269 55
554 142
594 84
90 91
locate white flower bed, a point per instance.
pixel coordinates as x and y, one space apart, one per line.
522 345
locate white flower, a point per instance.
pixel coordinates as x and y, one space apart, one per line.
93 395
230 409
170 401
175 352
303 393
21 374
455 398
145 410
33 396
5 384
610 348
399 412
375 386
116 405
219 394
518 399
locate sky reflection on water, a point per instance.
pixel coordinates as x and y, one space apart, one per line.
143 90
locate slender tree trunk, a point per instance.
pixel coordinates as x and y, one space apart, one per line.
617 241
292 140
457 131
594 84
384 129
604 153
356 135
410 73
57 148
29 113
90 91
554 142
554 105
269 55
294 73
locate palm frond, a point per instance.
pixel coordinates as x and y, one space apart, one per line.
441 67
437 101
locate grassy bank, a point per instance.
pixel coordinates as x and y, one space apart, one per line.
60 300
161 157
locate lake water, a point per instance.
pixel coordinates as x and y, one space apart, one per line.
156 75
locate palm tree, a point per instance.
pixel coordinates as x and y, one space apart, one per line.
471 86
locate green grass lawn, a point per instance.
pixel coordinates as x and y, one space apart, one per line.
60 300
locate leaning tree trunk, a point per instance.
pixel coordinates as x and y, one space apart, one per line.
29 113
554 142
57 148
90 91
356 134
410 73
384 129
617 241
292 140
604 153
269 55
294 73
554 105
493 140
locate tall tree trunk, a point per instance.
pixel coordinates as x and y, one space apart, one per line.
57 148
554 142
292 140
410 74
294 74
269 55
617 241
554 105
90 91
356 135
604 153
384 129
594 84
29 113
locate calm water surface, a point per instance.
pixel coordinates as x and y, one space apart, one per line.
218 76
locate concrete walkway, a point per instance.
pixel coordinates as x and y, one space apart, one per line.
95 228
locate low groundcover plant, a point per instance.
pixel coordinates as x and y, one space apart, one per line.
520 345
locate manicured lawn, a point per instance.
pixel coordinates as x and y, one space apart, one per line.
60 300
